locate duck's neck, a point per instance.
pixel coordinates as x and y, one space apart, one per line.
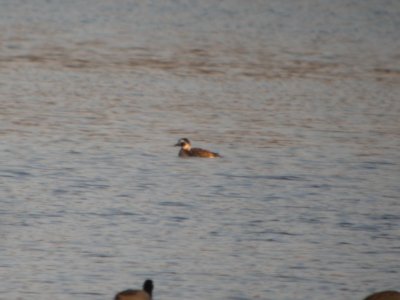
186 147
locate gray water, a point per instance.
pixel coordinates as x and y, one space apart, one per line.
300 97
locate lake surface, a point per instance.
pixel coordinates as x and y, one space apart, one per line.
301 98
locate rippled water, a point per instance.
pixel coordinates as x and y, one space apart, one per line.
300 97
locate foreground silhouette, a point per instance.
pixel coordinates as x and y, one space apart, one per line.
144 294
384 295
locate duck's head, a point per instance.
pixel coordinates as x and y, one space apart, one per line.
148 286
184 143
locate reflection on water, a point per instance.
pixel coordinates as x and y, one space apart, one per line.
301 99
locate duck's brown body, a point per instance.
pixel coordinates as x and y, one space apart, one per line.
188 151
132 295
197 152
145 294
385 295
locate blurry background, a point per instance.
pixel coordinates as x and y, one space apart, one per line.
300 97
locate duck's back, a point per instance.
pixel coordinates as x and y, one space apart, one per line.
132 295
384 295
198 152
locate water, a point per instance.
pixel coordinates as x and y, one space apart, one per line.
300 97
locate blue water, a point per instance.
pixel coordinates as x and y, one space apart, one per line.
300 98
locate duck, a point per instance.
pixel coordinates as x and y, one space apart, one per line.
145 294
188 151
384 295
